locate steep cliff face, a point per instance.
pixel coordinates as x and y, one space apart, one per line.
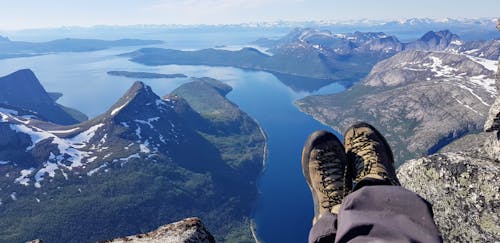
493 123
463 184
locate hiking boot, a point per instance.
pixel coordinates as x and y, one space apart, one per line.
370 155
324 166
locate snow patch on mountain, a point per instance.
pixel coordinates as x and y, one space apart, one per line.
23 178
491 65
81 140
438 68
148 122
8 111
474 94
68 157
144 147
48 168
486 83
93 171
65 131
118 109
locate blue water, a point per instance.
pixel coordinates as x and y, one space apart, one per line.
284 210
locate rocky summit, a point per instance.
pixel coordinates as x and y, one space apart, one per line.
188 230
463 183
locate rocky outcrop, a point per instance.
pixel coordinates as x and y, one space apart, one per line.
189 230
462 184
464 191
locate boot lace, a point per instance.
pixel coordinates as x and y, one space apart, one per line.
332 173
367 158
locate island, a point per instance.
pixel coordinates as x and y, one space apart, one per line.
15 49
145 75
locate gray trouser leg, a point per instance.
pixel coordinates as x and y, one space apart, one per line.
324 230
381 214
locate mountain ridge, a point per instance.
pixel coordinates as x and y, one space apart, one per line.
132 166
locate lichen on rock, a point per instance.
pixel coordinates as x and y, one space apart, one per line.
464 191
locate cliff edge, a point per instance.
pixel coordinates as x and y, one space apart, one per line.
186 231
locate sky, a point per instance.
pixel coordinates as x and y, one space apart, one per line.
27 14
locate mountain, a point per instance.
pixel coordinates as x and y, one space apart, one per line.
433 41
22 89
145 162
420 100
10 48
462 182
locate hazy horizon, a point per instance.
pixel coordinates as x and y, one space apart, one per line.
31 14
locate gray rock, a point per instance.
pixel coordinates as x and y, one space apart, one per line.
188 230
464 189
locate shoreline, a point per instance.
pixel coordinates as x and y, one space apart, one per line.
254 231
253 223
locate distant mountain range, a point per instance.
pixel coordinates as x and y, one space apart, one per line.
409 28
318 56
10 49
145 162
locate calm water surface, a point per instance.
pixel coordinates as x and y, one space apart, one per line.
284 209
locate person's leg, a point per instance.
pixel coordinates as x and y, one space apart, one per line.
379 209
386 214
324 166
324 230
